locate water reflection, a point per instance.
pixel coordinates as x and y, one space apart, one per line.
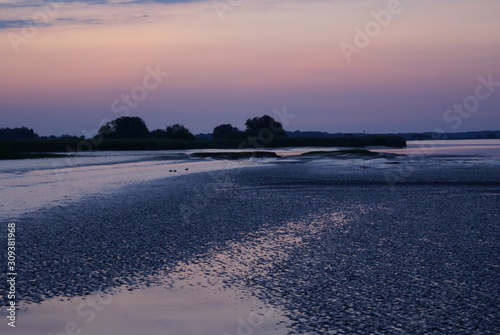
489 148
41 188
211 294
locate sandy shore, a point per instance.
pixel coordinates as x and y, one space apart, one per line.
357 254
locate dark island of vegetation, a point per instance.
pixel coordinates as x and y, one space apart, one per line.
131 133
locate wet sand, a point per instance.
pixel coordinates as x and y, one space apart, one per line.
329 248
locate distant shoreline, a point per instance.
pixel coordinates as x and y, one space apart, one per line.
46 148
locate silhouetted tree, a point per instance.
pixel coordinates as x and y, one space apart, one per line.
179 132
264 124
226 131
158 133
17 134
68 137
125 127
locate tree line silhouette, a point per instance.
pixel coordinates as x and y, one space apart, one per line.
131 133
127 127
133 127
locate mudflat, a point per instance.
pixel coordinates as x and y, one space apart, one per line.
339 249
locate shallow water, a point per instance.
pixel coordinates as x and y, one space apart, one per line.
29 185
205 296
249 285
482 148
156 310
38 186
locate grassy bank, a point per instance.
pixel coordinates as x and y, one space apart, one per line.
22 155
16 149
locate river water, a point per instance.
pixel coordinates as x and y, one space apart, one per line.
197 297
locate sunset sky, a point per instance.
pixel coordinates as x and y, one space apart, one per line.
66 66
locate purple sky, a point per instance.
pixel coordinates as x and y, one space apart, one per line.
338 66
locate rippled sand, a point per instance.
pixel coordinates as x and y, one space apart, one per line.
298 246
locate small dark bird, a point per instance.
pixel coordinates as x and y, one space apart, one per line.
169 170
175 170
186 169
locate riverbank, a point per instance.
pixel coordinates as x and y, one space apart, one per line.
10 148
